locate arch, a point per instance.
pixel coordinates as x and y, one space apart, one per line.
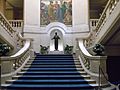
60 28
56 25
60 42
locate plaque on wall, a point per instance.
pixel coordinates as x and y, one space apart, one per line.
56 11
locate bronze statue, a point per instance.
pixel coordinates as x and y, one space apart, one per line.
56 38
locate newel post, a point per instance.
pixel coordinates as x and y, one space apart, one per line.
98 65
31 49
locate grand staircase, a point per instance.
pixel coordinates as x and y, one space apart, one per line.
51 72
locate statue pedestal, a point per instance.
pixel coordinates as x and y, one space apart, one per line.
56 52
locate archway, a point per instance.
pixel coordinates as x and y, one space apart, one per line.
60 42
60 28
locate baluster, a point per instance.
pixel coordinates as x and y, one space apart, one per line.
17 24
12 24
20 24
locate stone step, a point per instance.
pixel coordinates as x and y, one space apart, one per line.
48 77
52 73
52 69
52 66
57 81
50 86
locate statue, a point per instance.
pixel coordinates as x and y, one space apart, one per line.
56 37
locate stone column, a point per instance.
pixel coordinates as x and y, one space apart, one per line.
32 13
80 15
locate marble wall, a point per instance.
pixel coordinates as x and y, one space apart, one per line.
41 34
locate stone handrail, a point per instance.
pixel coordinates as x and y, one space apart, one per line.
16 23
106 13
11 65
16 57
93 23
94 62
104 16
6 25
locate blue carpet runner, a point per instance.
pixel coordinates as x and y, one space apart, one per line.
51 72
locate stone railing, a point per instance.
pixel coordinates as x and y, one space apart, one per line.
16 23
95 66
10 65
6 25
110 7
93 23
9 33
92 62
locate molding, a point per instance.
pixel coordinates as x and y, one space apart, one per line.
47 33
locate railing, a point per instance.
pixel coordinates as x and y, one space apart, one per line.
93 23
97 65
11 34
6 25
10 65
105 15
16 23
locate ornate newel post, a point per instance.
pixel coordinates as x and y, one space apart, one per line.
98 66
95 66
31 49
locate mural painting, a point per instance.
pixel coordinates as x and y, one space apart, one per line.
56 11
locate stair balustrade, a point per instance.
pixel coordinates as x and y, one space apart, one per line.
93 65
16 23
6 25
10 65
9 32
98 25
93 23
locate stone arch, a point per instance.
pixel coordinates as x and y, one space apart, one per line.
60 42
56 25
60 28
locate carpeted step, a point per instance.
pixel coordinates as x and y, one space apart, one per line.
54 55
50 87
49 77
53 63
52 73
47 58
56 81
52 66
52 69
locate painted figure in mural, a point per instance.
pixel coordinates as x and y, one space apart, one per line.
56 11
63 7
68 17
56 38
44 15
51 11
